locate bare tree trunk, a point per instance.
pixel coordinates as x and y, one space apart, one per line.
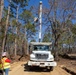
1 8
16 31
6 28
55 32
26 43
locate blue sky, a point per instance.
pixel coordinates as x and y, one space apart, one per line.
34 3
31 2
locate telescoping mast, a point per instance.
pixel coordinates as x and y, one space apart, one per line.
40 21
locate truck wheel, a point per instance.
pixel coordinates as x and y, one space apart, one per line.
29 68
50 68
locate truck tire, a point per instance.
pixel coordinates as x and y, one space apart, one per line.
50 69
29 68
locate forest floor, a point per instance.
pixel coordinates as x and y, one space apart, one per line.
68 64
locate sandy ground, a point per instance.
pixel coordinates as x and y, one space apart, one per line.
18 68
69 64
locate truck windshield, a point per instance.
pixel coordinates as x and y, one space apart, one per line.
41 47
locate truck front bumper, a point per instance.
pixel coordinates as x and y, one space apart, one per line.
42 64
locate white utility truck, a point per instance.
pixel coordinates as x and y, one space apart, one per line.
41 55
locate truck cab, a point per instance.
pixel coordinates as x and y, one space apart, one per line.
41 55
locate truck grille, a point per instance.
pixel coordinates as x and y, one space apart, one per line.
41 56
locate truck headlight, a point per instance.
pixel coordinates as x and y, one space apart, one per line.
32 56
52 59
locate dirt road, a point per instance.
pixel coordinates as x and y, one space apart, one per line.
20 70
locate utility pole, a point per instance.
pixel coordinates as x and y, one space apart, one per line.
40 20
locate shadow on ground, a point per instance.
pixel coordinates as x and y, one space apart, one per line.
34 69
